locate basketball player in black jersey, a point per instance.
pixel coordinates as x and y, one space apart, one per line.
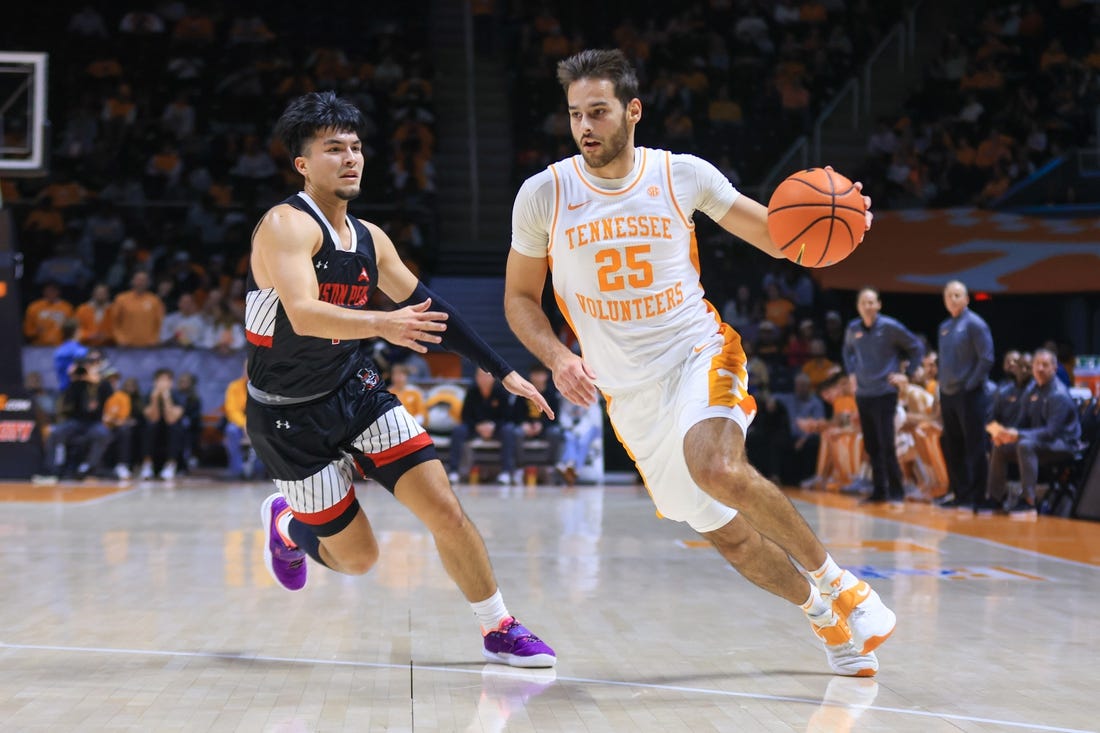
318 412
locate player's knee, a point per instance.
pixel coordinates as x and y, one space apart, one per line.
449 518
360 562
737 541
724 473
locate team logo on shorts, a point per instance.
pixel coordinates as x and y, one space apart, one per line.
368 377
282 424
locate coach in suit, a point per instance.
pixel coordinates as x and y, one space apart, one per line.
874 348
966 357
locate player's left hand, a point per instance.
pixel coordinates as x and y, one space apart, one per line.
868 214
520 387
866 204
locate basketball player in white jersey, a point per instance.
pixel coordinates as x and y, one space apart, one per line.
613 225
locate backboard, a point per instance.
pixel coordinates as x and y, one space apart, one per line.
23 121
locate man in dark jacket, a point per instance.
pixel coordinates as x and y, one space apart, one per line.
486 414
875 348
1048 431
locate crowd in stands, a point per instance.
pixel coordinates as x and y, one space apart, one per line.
734 81
162 157
1001 99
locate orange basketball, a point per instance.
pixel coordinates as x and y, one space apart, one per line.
816 217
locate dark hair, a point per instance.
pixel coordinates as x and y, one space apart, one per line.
600 64
69 328
312 112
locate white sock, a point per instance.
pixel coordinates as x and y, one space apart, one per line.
816 607
490 612
827 577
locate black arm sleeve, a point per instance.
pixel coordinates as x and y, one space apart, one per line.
459 337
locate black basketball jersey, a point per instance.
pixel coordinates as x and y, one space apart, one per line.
281 362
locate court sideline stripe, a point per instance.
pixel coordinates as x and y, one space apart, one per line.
580 680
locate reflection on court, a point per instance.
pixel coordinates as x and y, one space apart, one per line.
151 610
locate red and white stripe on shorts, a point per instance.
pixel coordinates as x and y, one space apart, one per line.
326 495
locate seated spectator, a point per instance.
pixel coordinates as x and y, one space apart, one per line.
818 366
581 427
164 426
840 456
64 267
236 431
119 422
411 396
80 417
1049 431
804 407
920 454
769 441
185 327
1008 401
44 316
778 309
530 423
138 314
94 318
187 389
485 416
226 332
45 400
67 353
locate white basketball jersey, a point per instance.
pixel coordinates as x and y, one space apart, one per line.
626 272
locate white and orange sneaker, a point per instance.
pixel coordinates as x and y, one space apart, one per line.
860 607
844 657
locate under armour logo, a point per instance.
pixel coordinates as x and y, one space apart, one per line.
282 424
322 265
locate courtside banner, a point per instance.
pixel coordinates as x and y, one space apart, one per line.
919 250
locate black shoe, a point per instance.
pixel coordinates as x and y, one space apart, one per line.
947 500
873 499
989 506
1022 510
951 503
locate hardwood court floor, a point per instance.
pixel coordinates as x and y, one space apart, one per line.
149 609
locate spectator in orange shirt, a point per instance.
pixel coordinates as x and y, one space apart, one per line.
119 421
777 308
410 395
43 319
236 431
43 224
64 192
819 366
138 314
840 455
95 319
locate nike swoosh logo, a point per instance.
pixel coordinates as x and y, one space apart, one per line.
574 207
863 592
697 349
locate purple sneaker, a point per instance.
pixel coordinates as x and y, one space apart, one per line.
514 645
287 566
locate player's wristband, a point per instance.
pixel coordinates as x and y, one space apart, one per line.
459 337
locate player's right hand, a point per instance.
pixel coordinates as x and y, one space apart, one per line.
574 380
413 326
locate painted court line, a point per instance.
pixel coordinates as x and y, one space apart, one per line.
505 673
